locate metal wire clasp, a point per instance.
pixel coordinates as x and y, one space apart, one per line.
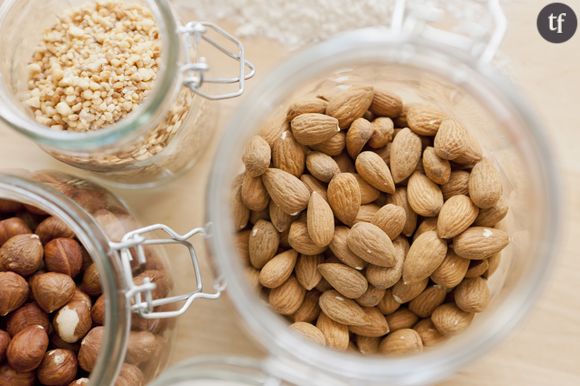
141 295
196 67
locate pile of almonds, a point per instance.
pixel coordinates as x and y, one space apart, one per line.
369 224
52 307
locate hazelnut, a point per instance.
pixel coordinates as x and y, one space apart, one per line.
9 376
91 283
115 225
87 259
29 219
4 342
73 321
142 324
52 290
130 375
56 342
98 311
52 228
90 348
160 280
14 292
141 347
64 256
21 254
27 315
7 206
34 210
79 382
80 296
58 367
11 227
27 348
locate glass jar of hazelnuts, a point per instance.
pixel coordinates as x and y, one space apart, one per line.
119 88
87 296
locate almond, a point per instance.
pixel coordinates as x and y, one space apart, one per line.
479 243
457 184
400 319
382 277
367 346
484 185
314 185
451 271
313 128
373 169
473 155
350 105
257 156
372 297
263 243
437 169
345 280
405 292
240 212
425 197
424 120
377 325
309 310
339 248
425 255
405 341
491 216
242 243
257 216
449 319
287 298
383 132
399 198
278 269
333 146
306 105
388 305
345 163
307 272
336 334
386 104
320 221
310 332
288 155
391 219
287 191
493 264
428 333
344 197
342 310
456 215
371 244
428 224
405 154
476 268
472 295
424 304
366 213
368 194
358 135
300 240
453 142
279 218
321 166
254 194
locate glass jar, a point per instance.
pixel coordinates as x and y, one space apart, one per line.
165 134
136 278
421 65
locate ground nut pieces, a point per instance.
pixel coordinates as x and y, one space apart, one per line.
94 66
416 269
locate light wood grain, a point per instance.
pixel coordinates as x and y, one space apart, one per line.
544 350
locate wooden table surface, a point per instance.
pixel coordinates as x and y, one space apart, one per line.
544 350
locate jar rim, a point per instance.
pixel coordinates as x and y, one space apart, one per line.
138 120
268 328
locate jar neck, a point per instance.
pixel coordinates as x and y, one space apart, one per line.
144 118
24 187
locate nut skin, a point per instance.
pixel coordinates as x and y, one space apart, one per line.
91 283
141 347
9 376
73 321
12 227
79 382
52 290
4 342
90 348
14 292
160 280
21 254
64 256
27 348
52 228
98 311
58 367
8 206
28 315
130 375
56 342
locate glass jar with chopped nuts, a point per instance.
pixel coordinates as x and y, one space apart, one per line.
118 88
86 293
